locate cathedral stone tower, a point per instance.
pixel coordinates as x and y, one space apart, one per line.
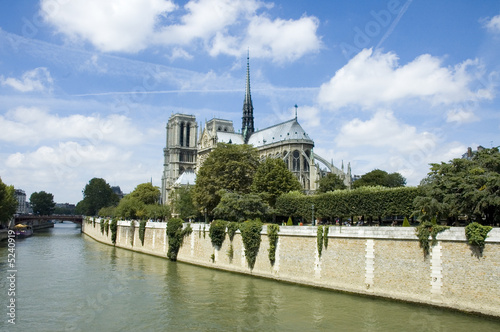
180 151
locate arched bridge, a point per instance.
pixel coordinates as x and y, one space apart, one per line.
23 218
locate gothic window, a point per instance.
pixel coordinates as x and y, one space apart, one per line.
188 129
296 161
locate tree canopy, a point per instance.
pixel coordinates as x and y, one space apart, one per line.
8 203
182 203
96 195
146 193
142 203
240 207
330 182
42 203
378 177
463 187
229 167
272 179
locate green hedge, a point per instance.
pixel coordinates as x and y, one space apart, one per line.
364 201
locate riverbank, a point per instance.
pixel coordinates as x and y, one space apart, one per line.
378 261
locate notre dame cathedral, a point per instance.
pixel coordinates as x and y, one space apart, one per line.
186 150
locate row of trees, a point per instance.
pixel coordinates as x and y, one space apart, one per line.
234 185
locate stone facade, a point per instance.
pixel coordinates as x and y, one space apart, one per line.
379 261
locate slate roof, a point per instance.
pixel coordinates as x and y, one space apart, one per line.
289 130
225 137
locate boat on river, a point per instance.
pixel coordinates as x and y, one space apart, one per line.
23 230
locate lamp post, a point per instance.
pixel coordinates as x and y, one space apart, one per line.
312 221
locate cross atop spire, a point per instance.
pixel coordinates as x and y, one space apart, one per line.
247 126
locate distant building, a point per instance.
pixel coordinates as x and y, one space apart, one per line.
185 151
118 191
22 205
470 153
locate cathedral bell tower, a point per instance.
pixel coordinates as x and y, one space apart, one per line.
247 126
180 151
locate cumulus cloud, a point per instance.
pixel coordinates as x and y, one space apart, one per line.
281 40
387 143
38 79
384 130
118 25
375 78
460 116
493 24
31 125
217 26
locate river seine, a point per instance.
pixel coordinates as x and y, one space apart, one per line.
66 281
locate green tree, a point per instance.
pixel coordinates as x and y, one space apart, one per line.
463 187
240 207
146 193
378 177
130 208
42 203
8 203
330 182
183 204
230 167
272 178
96 195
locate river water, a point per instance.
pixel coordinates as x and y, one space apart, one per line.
66 281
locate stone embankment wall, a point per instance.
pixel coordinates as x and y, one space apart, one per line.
380 261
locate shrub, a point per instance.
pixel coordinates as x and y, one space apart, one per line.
250 234
106 226
426 229
406 223
325 237
102 226
476 235
176 235
132 232
289 222
232 227
113 227
217 232
319 240
272 234
142 230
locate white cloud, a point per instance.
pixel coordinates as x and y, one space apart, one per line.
117 25
461 116
384 130
281 40
387 143
31 125
38 79
373 78
217 26
493 24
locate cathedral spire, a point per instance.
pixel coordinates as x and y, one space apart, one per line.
247 126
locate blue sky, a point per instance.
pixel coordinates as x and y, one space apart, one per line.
87 86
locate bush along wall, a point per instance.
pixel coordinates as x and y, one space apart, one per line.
232 227
142 231
217 232
272 234
476 235
176 234
113 226
250 234
428 229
